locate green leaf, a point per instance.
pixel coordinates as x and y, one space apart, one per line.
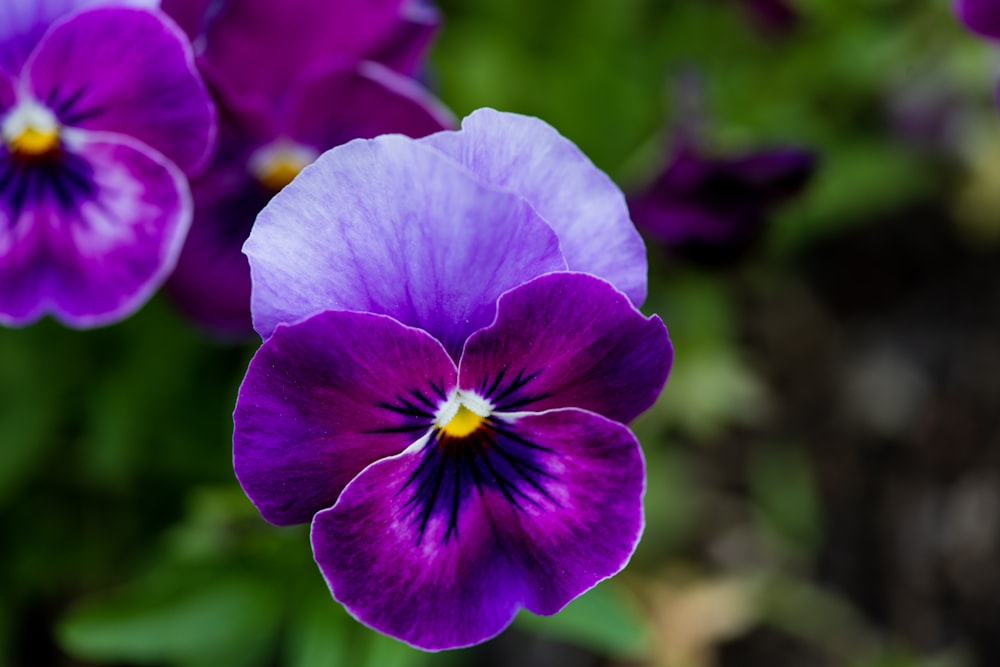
600 620
194 621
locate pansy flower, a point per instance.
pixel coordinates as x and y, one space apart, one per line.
436 392
714 207
102 115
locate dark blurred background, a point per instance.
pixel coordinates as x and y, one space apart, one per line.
823 466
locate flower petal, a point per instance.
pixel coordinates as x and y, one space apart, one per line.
390 226
90 241
128 71
254 47
585 208
494 541
22 24
211 283
361 100
568 340
323 399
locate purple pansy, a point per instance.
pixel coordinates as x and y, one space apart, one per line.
436 392
716 206
102 115
980 16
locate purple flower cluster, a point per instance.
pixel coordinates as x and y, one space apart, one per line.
452 349
102 117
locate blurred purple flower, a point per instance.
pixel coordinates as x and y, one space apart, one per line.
255 48
447 405
980 16
715 207
314 87
101 114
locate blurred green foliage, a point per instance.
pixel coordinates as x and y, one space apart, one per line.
125 538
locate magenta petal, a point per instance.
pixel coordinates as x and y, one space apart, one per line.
391 226
128 71
325 398
381 101
582 204
255 47
535 533
568 340
93 249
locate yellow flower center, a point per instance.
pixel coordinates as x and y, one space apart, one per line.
463 423
30 130
33 141
462 414
276 164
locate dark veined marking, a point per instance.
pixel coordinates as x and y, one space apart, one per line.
494 457
505 398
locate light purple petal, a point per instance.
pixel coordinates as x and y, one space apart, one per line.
440 547
128 71
980 16
90 243
585 208
255 47
325 398
568 340
23 22
390 226
352 100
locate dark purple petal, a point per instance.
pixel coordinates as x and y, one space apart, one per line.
128 71
442 545
255 47
719 201
352 100
404 50
391 226
568 340
189 14
585 208
24 22
211 283
980 16
325 398
88 237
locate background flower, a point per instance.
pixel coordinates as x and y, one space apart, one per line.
100 123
